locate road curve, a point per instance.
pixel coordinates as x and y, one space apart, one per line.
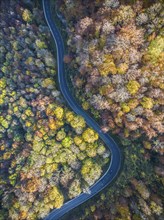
115 162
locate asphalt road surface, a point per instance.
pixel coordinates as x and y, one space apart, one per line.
115 162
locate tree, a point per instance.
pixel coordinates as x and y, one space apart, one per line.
27 16
74 189
90 171
89 135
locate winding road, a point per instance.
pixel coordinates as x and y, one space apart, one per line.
115 162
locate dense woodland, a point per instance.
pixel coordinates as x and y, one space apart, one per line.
47 153
115 64
116 51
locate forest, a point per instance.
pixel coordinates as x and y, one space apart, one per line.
48 154
114 63
116 51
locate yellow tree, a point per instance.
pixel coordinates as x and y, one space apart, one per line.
27 16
